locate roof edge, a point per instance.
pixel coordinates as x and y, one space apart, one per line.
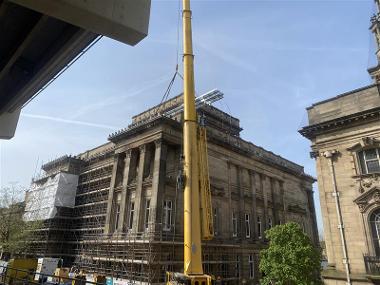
342 95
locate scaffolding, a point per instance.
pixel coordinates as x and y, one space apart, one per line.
77 234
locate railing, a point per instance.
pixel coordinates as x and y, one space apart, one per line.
372 264
17 276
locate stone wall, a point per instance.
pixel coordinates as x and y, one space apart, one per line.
336 143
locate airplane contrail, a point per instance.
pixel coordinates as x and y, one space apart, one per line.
75 122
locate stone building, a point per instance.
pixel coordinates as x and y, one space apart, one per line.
126 219
345 136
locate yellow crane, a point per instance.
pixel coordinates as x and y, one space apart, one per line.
198 222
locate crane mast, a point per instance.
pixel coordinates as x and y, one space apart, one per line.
197 195
192 230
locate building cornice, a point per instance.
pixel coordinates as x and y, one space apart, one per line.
280 162
234 143
366 116
59 161
139 128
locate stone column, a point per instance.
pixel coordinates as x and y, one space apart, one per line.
254 210
284 204
123 207
263 185
241 212
139 188
273 187
110 209
229 214
158 182
312 215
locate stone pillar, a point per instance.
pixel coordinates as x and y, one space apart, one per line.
241 212
139 187
263 184
312 216
123 207
158 182
229 194
273 187
284 204
108 227
254 210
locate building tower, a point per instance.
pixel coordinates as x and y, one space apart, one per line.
375 28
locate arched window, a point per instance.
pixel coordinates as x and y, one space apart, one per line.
375 228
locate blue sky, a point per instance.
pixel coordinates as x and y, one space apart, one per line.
272 59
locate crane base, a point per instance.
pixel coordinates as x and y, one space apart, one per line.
176 278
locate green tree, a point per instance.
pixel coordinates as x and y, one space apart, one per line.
291 258
15 233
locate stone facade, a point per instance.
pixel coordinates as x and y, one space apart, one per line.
128 216
345 136
348 180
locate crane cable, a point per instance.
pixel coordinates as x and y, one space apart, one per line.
176 73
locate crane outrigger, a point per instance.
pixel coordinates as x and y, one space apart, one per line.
198 222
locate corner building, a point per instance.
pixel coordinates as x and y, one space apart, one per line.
345 136
127 216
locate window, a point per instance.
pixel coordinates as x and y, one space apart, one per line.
251 263
270 223
369 160
234 224
131 213
216 226
169 264
247 226
237 267
147 214
206 263
224 266
167 218
375 228
259 226
117 215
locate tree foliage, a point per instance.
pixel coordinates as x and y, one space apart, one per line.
15 234
291 258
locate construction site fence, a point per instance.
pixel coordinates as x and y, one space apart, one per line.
18 276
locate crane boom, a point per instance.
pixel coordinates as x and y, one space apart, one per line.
192 229
197 194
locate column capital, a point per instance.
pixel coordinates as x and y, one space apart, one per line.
158 143
128 153
314 154
116 157
142 148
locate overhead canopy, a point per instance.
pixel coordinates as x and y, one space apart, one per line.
39 38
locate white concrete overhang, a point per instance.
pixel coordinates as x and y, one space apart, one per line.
39 38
